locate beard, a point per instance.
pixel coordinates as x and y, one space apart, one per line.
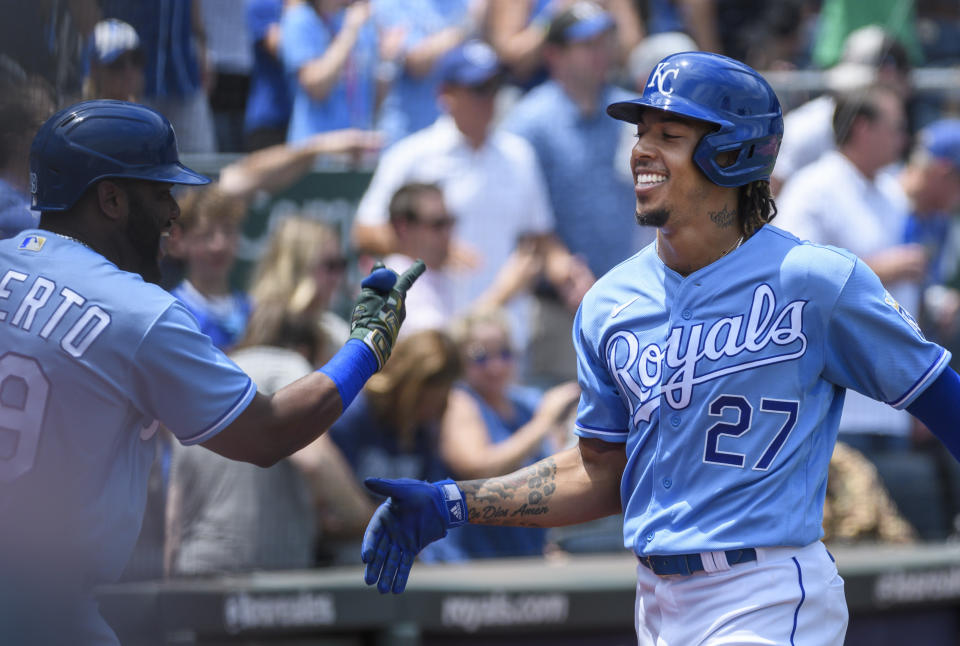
653 218
144 237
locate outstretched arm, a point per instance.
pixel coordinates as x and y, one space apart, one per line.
573 486
576 485
273 427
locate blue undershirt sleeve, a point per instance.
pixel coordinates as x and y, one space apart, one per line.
938 407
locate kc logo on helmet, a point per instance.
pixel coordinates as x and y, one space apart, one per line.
660 75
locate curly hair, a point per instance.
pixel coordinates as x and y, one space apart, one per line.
756 206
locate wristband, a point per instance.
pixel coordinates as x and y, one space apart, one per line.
456 505
350 368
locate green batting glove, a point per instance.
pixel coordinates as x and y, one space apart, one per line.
380 308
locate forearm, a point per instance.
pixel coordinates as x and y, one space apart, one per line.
503 457
374 239
564 489
420 60
318 76
938 407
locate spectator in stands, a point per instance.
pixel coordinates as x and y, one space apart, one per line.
330 56
229 64
298 273
578 149
174 43
492 426
845 199
931 181
490 180
423 226
427 29
24 106
698 18
870 56
205 237
391 429
839 19
517 30
269 103
116 63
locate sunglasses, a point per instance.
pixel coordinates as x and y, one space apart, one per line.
481 356
440 224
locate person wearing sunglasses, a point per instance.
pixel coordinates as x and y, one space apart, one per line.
493 426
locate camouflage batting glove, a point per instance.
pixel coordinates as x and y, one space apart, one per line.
380 308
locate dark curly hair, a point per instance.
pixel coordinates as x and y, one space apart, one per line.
756 206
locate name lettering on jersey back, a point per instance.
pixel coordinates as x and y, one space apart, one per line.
640 371
27 312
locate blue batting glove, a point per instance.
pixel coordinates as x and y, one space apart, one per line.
415 514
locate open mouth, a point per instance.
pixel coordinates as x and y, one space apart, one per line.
649 180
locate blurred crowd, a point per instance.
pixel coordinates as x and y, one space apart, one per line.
490 155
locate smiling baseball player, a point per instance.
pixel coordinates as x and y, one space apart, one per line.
713 365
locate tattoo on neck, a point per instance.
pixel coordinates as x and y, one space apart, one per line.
724 217
516 499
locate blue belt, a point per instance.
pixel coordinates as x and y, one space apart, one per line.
692 563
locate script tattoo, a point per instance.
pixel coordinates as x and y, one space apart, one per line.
517 499
724 217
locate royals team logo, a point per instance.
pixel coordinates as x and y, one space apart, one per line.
765 336
663 76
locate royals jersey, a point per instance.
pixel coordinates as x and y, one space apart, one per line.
726 386
92 361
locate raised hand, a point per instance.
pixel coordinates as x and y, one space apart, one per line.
380 308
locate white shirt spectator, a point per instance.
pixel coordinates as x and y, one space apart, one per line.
429 301
831 202
807 134
496 192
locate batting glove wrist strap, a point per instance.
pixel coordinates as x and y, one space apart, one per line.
454 502
350 368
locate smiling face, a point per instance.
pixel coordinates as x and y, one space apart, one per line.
670 188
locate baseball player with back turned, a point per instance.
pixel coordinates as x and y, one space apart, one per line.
713 365
94 357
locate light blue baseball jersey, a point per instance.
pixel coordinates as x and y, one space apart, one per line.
726 386
92 361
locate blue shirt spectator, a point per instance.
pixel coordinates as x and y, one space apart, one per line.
166 32
411 103
269 103
593 202
351 101
485 541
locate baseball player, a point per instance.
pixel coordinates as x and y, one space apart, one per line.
713 365
94 358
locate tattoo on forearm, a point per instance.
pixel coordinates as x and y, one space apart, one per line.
724 217
515 499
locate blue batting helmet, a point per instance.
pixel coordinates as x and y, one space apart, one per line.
94 140
725 93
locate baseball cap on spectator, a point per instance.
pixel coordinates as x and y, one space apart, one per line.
111 39
865 51
578 22
941 140
471 64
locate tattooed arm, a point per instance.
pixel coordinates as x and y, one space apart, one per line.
573 486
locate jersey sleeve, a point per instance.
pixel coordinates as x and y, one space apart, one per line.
600 413
184 381
874 346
